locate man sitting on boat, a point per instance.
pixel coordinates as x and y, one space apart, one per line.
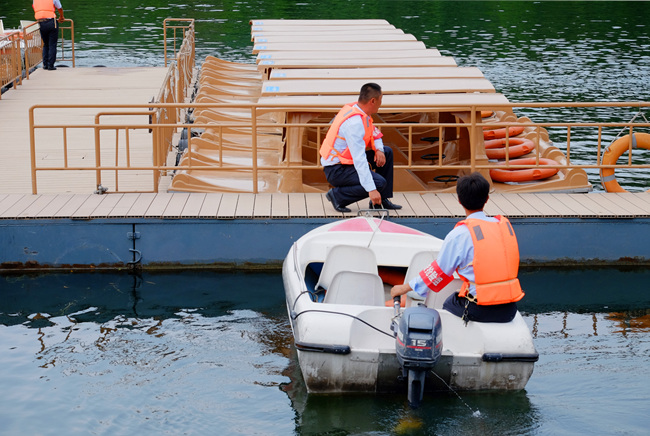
351 147
484 252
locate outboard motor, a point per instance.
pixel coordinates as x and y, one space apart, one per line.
418 343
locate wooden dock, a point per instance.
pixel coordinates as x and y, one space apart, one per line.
312 205
66 226
81 86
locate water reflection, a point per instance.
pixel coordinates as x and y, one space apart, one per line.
199 350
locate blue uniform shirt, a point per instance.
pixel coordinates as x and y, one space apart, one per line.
457 252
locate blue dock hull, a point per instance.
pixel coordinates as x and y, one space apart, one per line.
256 243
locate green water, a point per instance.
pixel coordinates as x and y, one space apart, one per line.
210 353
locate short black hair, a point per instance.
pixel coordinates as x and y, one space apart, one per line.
369 91
473 191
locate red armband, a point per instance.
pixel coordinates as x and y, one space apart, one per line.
434 277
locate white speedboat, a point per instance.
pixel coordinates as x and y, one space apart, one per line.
350 338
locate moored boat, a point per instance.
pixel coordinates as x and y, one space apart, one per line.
337 281
432 115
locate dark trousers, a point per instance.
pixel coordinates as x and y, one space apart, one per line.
345 180
493 313
50 39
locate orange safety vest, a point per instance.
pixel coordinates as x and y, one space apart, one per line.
496 262
327 150
43 9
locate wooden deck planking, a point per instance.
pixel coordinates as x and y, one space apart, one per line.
621 207
312 205
158 205
83 86
316 204
506 207
417 203
50 210
297 205
280 205
210 205
139 208
39 204
228 206
176 204
262 206
245 206
87 207
106 206
639 202
14 204
407 210
123 206
193 205
555 202
71 206
436 205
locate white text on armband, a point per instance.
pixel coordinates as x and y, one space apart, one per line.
434 277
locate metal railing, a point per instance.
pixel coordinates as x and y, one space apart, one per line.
22 50
590 138
10 59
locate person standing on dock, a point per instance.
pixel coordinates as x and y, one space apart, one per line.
351 148
45 14
484 252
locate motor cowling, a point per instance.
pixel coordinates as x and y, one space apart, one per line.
418 345
418 340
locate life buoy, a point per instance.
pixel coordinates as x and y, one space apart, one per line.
524 174
616 150
486 114
501 133
496 148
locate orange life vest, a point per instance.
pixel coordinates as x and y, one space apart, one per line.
43 9
327 150
496 262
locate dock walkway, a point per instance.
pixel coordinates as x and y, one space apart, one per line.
312 205
66 86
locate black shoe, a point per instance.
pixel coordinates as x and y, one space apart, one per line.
387 204
52 68
330 197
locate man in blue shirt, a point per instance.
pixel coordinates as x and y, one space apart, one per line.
353 147
497 303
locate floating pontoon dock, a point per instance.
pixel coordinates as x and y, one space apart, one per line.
65 225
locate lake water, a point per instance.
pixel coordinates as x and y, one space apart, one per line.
531 51
201 352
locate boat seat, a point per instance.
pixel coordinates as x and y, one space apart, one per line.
420 260
346 258
355 287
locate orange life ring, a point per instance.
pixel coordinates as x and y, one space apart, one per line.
616 150
486 114
496 148
524 174
501 133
